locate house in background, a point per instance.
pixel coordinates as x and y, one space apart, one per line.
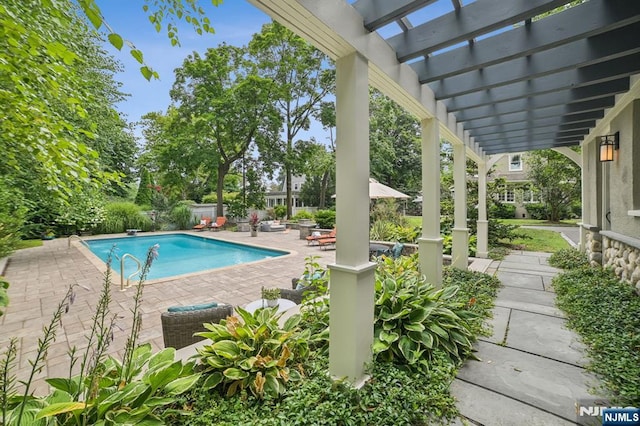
278 197
518 191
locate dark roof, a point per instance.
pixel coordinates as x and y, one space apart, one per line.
517 77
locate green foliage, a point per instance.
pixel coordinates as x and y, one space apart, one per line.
498 210
237 209
280 211
387 210
537 211
253 353
4 296
393 396
539 240
302 214
84 212
120 216
326 219
270 293
557 179
501 233
395 144
145 188
413 319
12 216
388 231
181 216
569 258
606 314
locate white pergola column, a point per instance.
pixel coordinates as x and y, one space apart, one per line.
460 232
482 223
352 276
430 244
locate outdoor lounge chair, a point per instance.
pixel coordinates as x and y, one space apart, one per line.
324 243
218 224
314 238
204 222
178 327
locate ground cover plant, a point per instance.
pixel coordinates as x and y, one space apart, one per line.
606 314
410 376
569 258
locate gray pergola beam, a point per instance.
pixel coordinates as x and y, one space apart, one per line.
580 53
534 125
378 13
548 131
473 20
540 133
600 73
588 19
555 112
580 95
528 146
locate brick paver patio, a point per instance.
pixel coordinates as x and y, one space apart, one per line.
40 277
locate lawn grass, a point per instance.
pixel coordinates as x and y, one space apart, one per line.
539 240
536 222
28 244
414 221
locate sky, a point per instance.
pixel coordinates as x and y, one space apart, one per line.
235 22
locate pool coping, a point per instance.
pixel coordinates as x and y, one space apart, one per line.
102 266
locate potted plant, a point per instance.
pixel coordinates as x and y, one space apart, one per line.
271 295
254 221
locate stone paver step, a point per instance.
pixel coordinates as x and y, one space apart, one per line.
549 385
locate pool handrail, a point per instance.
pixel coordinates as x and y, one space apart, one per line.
79 238
122 259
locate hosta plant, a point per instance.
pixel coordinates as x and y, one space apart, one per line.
253 352
412 318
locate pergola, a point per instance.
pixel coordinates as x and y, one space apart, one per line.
490 76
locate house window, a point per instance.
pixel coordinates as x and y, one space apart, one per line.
507 196
295 186
515 163
529 196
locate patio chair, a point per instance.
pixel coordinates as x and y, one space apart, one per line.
179 326
314 238
325 243
297 292
204 222
218 224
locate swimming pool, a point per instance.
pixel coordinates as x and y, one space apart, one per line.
178 254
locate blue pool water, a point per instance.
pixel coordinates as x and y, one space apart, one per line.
178 253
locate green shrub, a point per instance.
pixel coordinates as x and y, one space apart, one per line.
412 318
302 214
181 216
254 354
499 210
606 313
145 188
326 219
382 230
4 296
499 231
279 211
537 211
569 258
120 216
12 217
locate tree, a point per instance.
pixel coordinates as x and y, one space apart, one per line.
226 106
145 190
395 151
557 179
299 70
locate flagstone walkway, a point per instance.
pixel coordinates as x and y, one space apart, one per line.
532 369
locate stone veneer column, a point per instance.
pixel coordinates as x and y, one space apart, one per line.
460 232
352 276
482 222
430 243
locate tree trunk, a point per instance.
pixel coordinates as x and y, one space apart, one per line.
323 189
223 169
289 200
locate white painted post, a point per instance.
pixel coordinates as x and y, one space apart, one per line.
352 276
430 244
460 232
482 223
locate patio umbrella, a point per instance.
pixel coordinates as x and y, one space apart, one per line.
378 190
